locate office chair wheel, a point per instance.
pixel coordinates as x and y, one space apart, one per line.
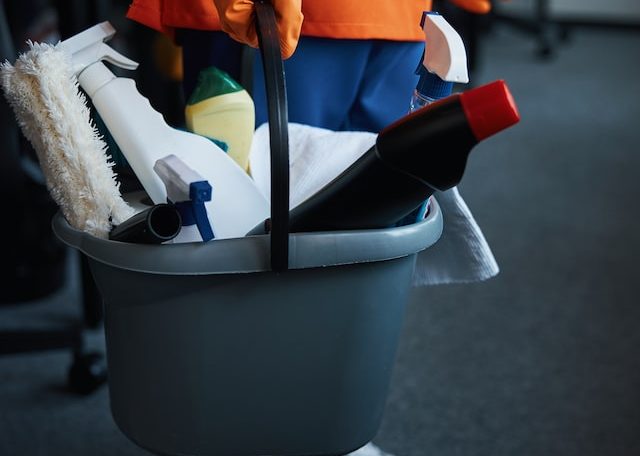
544 52
87 373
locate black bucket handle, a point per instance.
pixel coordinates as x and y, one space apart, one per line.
278 133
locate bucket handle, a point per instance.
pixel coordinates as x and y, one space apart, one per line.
278 133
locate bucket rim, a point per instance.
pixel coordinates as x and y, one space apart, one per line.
252 254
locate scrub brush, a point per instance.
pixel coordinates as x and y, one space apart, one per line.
53 115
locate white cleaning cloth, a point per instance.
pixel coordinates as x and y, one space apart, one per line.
369 450
318 155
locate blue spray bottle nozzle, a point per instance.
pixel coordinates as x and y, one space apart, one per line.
188 191
201 192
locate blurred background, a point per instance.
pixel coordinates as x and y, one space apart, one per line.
543 359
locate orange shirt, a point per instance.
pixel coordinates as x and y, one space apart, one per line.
397 20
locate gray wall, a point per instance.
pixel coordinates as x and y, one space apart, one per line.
596 10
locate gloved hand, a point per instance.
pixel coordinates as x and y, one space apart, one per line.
237 18
474 6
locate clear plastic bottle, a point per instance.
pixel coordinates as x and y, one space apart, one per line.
419 100
429 89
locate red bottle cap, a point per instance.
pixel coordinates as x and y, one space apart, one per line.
489 109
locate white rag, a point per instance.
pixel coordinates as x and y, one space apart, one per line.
317 156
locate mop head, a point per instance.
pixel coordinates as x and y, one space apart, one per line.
53 115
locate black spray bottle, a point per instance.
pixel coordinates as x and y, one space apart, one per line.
423 152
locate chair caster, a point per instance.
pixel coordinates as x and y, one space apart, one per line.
87 373
544 52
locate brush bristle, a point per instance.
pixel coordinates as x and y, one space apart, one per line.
53 115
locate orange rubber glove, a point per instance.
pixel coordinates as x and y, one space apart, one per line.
237 19
474 6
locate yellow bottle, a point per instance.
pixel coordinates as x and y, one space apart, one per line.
220 109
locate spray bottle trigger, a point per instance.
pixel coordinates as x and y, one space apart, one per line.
88 47
446 56
112 56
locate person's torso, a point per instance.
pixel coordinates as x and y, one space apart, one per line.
397 20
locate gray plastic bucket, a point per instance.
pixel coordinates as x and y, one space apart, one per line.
279 345
211 353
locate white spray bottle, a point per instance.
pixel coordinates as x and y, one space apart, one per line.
443 63
144 137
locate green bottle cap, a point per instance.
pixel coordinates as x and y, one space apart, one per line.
212 82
